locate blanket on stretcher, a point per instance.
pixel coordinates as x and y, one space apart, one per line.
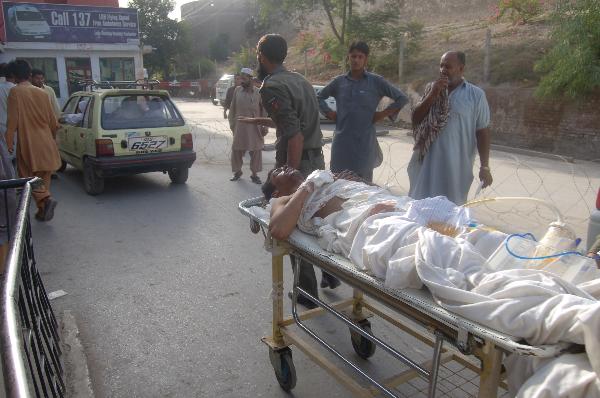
535 305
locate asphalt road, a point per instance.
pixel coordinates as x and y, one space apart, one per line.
170 289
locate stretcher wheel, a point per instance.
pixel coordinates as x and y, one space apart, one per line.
285 372
363 347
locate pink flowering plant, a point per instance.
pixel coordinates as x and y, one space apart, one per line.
519 11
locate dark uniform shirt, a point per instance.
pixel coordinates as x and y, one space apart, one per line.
291 103
228 97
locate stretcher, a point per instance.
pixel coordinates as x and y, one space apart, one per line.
453 338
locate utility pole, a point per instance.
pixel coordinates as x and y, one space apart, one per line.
401 59
486 59
305 63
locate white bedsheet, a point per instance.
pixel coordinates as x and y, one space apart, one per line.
531 304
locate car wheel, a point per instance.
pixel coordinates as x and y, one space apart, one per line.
179 175
63 166
92 182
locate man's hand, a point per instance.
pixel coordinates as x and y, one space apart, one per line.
439 85
260 121
10 149
331 115
383 114
485 175
347 175
247 119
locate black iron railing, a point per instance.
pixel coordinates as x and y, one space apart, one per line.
29 338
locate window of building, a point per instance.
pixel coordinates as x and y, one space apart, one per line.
117 69
48 65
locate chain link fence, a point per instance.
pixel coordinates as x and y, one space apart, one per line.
569 185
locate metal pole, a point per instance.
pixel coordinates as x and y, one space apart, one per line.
305 63
401 59
486 59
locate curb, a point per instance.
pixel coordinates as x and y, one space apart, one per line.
77 375
529 152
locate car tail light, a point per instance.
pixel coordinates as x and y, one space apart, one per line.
598 200
186 142
104 147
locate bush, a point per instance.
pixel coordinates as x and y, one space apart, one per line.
572 66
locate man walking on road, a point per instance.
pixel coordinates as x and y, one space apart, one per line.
450 123
291 103
246 137
30 115
229 95
38 79
357 95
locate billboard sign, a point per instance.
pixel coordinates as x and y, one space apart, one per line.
62 23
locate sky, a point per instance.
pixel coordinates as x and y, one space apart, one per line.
176 12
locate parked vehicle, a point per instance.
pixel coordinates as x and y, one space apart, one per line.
594 224
27 20
116 132
187 88
221 87
330 101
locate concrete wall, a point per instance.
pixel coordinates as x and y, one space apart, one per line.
565 127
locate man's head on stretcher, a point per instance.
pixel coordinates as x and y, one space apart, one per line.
296 202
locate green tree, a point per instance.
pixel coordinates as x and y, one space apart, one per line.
159 31
338 12
572 66
218 48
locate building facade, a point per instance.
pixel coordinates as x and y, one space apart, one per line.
73 41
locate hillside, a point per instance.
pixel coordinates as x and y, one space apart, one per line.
514 50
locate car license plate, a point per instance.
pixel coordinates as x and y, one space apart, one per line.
147 144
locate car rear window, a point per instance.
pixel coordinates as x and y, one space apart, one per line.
139 111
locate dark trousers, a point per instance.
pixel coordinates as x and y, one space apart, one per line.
307 279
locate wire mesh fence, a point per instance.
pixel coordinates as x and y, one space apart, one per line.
570 186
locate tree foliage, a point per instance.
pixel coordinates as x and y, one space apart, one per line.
160 32
519 11
218 48
572 66
338 12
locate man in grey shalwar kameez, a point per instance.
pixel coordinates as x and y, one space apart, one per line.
450 123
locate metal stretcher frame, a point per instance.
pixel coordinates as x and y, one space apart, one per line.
466 338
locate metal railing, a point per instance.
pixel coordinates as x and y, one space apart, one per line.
29 338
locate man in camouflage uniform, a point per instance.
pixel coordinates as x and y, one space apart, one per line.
292 105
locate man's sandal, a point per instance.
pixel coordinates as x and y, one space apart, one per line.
236 176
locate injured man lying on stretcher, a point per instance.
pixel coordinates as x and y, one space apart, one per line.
429 243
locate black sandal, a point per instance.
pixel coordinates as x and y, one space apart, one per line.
256 179
236 176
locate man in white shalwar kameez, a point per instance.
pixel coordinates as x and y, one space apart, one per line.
450 124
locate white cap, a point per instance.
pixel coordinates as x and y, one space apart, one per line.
247 71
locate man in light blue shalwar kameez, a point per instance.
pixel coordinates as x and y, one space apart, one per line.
443 158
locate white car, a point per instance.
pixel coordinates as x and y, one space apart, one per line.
26 20
221 87
330 101
594 224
